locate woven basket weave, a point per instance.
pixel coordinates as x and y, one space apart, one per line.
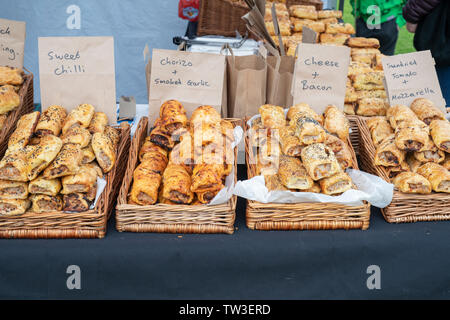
89 224
302 216
165 218
404 207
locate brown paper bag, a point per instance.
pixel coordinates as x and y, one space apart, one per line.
77 70
280 72
12 43
247 78
194 79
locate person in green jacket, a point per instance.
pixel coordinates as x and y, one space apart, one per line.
379 19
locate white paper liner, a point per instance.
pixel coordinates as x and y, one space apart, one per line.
101 184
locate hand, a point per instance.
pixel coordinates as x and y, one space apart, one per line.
411 27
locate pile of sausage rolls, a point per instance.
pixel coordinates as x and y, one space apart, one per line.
303 151
413 144
53 160
183 161
10 81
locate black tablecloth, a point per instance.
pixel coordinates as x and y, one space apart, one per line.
414 261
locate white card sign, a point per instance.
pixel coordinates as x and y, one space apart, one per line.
77 70
320 76
410 76
12 43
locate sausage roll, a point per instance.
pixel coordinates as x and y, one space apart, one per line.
227 129
78 135
378 94
76 202
81 182
13 207
356 67
207 177
9 99
161 138
206 134
438 176
350 93
145 184
366 58
98 123
66 163
270 150
266 168
412 135
272 116
293 174
42 154
336 122
155 162
338 39
183 154
290 144
426 111
413 163
44 203
388 154
395 171
24 131
320 161
315 189
446 163
113 135
51 121
334 28
10 190
440 132
40 185
309 131
380 129
316 26
206 197
205 115
349 108
341 151
172 119
302 110
430 153
104 150
325 14
14 165
410 182
337 184
88 155
284 25
81 115
273 183
398 114
177 185
359 42
369 81
304 12
150 147
11 76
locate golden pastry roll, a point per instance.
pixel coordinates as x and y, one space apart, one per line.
410 182
207 196
395 171
369 81
370 107
13 207
227 130
412 135
335 28
9 99
302 110
314 189
40 156
113 135
320 161
446 163
206 134
146 182
341 150
155 161
293 175
10 190
78 135
440 132
325 14
148 147
438 176
88 154
371 51
398 114
426 110
76 202
356 67
336 184
273 183
272 116
257 136
14 165
360 42
207 177
41 185
336 122
380 129
304 12
338 39
378 64
24 131
349 108
104 150
44 203
183 154
413 163
291 51
205 115
51 121
366 58
309 131
266 168
290 144
378 94
314 25
11 76
98 123
81 182
430 153
171 107
173 122
329 20
161 138
388 154
284 25
350 94
81 115
66 163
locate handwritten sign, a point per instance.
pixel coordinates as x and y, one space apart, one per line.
194 79
320 76
77 70
411 76
12 43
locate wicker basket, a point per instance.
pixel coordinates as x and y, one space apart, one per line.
165 218
354 135
26 94
404 207
302 216
89 224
